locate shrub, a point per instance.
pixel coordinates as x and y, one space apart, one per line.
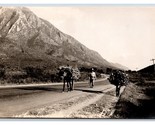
2 71
33 72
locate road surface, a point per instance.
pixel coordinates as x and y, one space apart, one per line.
25 101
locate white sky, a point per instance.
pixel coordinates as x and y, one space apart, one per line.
120 34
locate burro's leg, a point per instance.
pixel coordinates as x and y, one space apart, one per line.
72 84
117 90
63 85
68 86
118 87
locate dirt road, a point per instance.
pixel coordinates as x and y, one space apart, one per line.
49 101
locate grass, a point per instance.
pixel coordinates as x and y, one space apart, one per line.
136 102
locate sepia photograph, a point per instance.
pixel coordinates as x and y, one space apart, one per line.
77 62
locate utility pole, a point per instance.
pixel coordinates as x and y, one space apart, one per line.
153 63
152 60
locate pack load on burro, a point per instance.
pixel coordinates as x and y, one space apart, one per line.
69 75
118 78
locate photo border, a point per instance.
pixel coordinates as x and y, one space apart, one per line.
76 3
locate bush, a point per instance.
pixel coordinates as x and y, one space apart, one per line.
41 75
33 72
2 71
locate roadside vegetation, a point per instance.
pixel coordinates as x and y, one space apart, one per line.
40 74
138 99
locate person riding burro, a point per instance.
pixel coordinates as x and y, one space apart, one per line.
92 78
118 79
68 78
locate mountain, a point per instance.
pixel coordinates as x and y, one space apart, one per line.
26 39
119 66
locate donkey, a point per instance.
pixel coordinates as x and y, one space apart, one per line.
66 75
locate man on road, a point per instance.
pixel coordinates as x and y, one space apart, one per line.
92 78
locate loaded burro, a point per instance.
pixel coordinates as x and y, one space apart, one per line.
68 75
118 78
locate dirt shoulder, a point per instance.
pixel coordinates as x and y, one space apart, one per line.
136 102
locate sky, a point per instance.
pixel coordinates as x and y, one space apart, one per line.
120 34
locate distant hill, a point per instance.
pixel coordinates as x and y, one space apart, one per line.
119 66
27 40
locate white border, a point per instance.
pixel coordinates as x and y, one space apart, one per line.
72 2
77 2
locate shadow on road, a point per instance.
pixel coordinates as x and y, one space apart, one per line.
41 88
90 91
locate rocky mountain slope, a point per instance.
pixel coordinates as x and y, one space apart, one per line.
26 39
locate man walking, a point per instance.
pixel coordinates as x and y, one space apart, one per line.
92 78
